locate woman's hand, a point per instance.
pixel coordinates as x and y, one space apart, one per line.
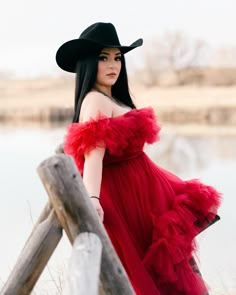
98 208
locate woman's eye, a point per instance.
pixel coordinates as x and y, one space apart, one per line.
102 57
118 58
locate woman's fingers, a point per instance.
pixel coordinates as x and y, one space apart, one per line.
100 213
98 208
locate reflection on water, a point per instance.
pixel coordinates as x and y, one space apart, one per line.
210 158
187 154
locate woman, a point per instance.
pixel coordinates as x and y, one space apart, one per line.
150 214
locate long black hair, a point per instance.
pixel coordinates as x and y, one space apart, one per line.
86 73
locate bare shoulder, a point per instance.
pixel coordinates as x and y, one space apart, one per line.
93 104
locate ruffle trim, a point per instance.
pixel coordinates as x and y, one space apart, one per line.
118 134
167 259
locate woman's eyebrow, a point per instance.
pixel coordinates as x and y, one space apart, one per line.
107 53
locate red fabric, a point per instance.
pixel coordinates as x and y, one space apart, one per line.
150 214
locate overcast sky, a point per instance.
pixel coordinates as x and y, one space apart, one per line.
32 30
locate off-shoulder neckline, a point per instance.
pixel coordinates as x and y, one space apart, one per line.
124 114
101 116
131 111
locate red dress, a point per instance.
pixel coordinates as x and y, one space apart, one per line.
150 214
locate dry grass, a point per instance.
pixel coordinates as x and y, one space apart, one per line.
47 92
187 96
30 96
34 94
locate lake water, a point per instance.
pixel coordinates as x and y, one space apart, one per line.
212 159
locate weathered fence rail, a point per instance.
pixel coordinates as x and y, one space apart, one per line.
69 208
36 253
84 266
74 209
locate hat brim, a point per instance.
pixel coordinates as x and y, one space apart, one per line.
68 54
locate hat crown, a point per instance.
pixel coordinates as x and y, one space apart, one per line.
97 36
103 33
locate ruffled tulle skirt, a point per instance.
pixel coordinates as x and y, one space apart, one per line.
152 218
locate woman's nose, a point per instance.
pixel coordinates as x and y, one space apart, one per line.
112 64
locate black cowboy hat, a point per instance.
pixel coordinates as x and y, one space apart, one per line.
94 38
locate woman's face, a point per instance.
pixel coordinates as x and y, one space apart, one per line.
109 66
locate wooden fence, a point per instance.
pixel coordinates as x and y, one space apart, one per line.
94 266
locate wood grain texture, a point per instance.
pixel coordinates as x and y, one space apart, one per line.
84 266
39 247
74 209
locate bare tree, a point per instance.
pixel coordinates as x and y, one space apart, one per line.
172 52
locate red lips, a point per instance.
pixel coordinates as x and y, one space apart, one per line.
111 74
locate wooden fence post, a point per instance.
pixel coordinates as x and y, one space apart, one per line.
74 209
39 247
84 266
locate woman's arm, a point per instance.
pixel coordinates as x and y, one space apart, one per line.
92 177
92 173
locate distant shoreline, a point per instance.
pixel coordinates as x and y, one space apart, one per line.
50 101
217 121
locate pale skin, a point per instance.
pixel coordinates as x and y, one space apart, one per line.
109 67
